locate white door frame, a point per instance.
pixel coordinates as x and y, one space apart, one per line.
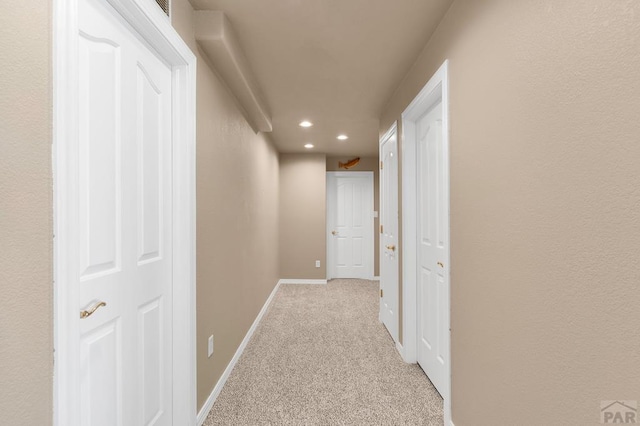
330 208
148 20
435 90
393 131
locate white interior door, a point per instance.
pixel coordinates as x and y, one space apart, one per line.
389 245
350 224
433 226
123 246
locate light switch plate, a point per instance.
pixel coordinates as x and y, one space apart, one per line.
210 347
317 263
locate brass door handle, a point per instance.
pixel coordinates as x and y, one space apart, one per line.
391 247
87 313
334 232
440 264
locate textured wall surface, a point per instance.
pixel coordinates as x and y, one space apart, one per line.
545 205
237 218
303 216
366 164
26 328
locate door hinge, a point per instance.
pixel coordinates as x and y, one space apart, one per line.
381 165
381 229
381 292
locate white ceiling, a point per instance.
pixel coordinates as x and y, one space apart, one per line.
333 62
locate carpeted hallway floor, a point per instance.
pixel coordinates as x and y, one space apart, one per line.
320 357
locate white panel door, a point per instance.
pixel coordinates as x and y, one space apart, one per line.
433 225
124 245
350 213
389 245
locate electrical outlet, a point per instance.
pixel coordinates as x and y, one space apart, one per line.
317 263
210 350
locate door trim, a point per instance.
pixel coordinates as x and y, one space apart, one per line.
329 205
436 89
392 131
148 20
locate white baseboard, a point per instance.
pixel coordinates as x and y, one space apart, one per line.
206 408
295 281
400 349
375 278
447 412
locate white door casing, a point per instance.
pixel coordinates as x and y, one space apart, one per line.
389 242
350 225
124 216
426 252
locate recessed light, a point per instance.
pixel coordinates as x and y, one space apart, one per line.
343 137
309 146
306 123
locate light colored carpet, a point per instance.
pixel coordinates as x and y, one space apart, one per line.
320 357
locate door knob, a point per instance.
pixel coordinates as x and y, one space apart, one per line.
87 313
392 247
334 232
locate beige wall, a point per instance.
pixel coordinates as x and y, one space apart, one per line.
26 330
366 164
303 216
237 218
545 205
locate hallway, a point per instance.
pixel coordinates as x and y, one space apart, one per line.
320 356
184 146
